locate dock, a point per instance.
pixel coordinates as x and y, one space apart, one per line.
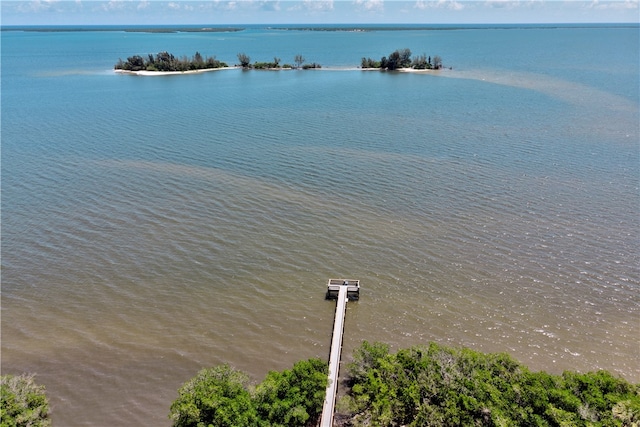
342 290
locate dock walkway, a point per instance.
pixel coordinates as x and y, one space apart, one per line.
342 290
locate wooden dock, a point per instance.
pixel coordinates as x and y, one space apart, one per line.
342 290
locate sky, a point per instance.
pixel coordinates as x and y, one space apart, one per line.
238 12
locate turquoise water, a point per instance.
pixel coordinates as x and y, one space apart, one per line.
156 225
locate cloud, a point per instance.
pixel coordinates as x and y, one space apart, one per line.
318 5
614 5
370 5
438 4
112 5
502 4
223 5
269 6
38 5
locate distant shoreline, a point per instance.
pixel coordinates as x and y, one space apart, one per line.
300 27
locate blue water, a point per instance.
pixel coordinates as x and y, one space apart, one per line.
156 225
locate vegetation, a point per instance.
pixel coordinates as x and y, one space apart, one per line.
421 386
23 402
401 58
429 385
311 66
299 60
439 386
221 396
164 61
267 65
245 62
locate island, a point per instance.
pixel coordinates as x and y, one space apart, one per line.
166 63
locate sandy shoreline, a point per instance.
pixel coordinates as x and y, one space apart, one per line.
170 73
205 70
405 70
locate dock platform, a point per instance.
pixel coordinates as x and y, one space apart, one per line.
342 290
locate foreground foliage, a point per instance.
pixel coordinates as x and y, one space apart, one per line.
221 396
23 402
439 386
421 386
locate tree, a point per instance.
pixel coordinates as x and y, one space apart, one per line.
437 62
420 62
136 63
23 402
404 58
197 62
369 63
244 59
165 61
298 60
221 396
440 386
393 61
216 396
400 58
293 397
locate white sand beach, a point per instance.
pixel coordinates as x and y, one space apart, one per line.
169 73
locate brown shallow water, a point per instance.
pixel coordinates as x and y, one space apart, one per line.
125 296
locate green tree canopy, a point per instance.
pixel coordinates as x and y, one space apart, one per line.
293 397
440 386
221 396
23 402
216 396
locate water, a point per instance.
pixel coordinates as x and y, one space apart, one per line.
156 225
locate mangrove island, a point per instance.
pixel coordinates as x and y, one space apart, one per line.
164 62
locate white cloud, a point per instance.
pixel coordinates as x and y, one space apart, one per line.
614 5
223 5
144 4
113 5
173 6
439 4
268 5
503 4
38 5
370 5
318 5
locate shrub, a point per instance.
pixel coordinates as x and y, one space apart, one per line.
441 386
221 396
293 397
23 402
216 396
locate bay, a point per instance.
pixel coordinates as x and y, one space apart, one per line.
153 226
